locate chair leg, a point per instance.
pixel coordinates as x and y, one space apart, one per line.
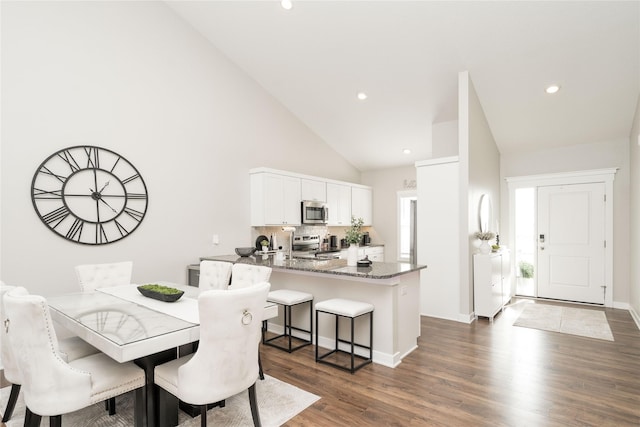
31 419
55 421
260 371
253 401
111 405
203 416
11 404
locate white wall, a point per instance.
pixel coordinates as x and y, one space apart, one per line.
576 158
438 237
483 177
634 228
444 139
447 284
386 183
134 78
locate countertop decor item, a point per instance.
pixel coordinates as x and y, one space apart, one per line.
259 240
484 237
243 252
89 195
364 262
160 292
354 233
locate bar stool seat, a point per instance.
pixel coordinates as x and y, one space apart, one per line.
289 298
339 307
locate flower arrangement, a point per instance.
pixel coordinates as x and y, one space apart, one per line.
486 235
354 233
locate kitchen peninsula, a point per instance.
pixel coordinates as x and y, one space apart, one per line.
393 289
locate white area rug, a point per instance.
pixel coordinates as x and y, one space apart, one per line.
567 320
277 400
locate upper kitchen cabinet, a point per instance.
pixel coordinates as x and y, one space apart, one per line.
362 204
314 190
339 203
275 199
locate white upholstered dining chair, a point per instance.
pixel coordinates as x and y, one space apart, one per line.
243 275
93 276
214 275
226 362
51 386
69 349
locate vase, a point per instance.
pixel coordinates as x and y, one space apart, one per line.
484 247
352 255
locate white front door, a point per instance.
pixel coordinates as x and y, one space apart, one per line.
571 242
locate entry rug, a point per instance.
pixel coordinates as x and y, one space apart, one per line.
277 400
567 320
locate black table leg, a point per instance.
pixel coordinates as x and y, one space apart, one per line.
146 411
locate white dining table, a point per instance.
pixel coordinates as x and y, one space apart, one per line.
127 326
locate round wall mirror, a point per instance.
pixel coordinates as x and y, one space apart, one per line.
484 215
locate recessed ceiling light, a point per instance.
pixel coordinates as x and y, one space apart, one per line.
406 151
286 4
552 89
362 96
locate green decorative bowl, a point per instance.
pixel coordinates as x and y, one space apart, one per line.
154 291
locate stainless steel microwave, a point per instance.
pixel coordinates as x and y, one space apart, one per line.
314 212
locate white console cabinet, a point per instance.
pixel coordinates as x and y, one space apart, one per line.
491 283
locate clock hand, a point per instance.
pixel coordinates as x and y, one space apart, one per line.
110 207
103 187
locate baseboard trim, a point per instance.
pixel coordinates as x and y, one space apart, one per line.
635 316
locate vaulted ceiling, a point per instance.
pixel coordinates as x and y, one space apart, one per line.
406 56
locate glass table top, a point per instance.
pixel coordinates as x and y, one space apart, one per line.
120 321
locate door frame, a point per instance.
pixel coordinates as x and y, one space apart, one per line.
605 176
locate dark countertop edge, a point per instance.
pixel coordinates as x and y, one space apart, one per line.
333 264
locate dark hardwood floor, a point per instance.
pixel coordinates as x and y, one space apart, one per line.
479 375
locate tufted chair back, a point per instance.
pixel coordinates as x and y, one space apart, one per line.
93 276
50 385
243 275
53 387
214 275
11 372
226 361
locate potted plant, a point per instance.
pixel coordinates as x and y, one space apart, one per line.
526 270
353 237
265 245
525 279
484 237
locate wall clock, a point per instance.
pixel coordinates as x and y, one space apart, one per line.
89 195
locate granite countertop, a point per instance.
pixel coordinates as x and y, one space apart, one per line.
378 270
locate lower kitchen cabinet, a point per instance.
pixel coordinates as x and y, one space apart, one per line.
193 275
491 283
375 253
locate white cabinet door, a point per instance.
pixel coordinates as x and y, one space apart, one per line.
291 207
362 204
339 203
487 284
375 253
280 200
313 190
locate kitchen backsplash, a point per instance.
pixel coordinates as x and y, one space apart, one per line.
282 237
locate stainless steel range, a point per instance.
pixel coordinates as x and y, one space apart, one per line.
308 246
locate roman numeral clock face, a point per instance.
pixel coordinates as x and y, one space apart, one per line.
89 195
